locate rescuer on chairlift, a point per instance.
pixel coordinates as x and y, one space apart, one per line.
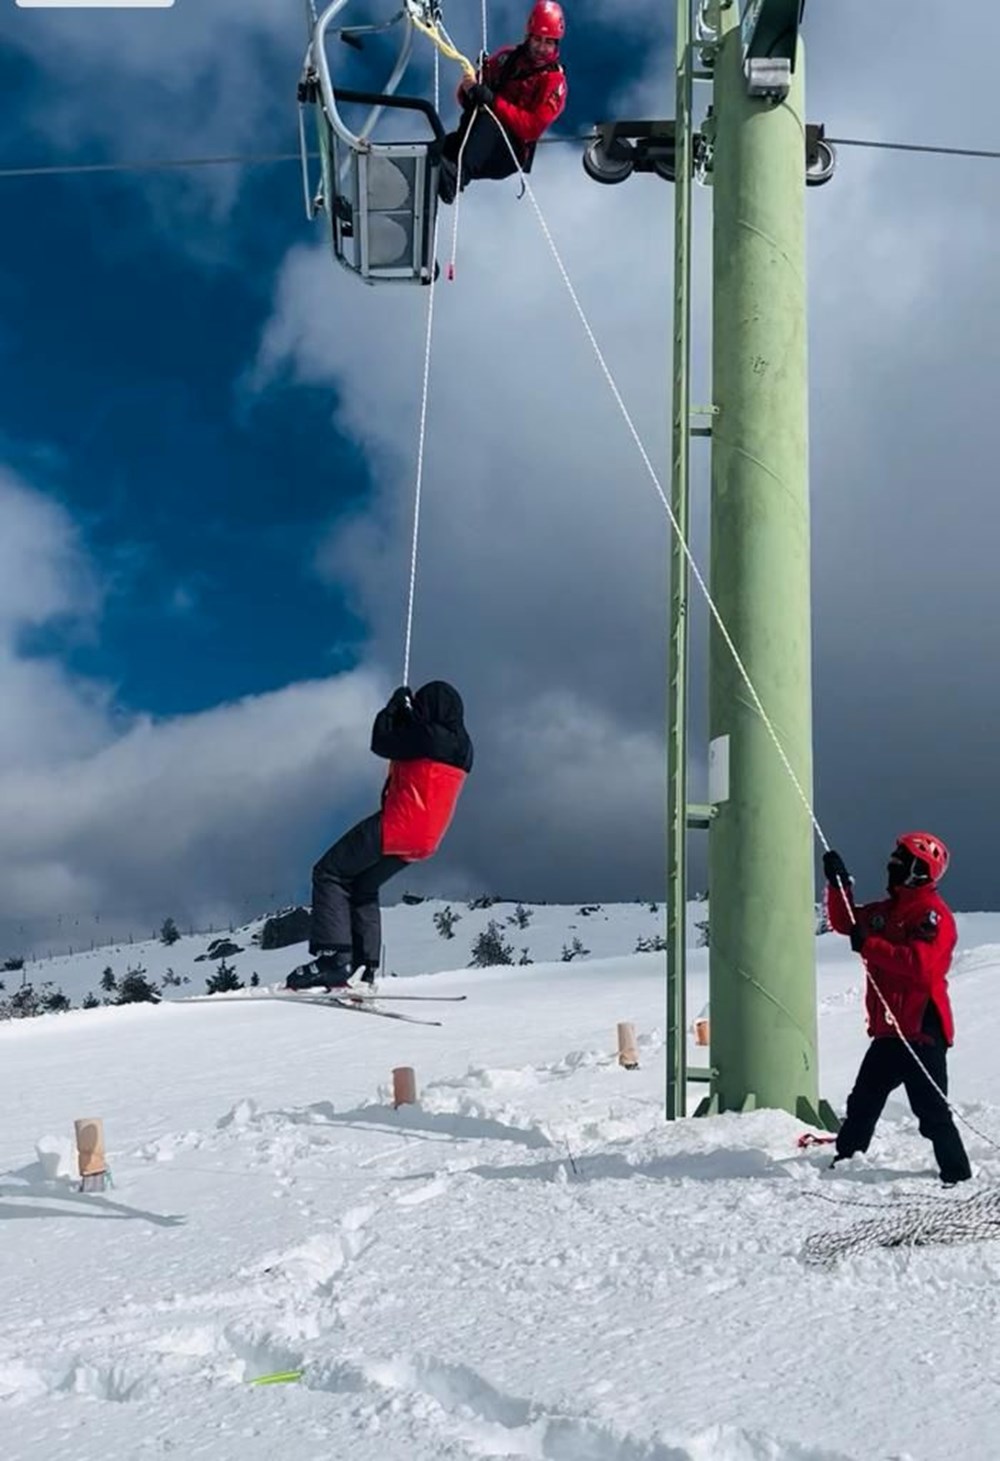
524 88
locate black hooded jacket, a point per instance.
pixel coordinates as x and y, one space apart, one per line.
430 725
425 740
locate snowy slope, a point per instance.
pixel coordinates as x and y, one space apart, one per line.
412 942
530 1263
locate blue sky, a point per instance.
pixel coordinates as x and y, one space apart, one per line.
207 436
200 500
133 310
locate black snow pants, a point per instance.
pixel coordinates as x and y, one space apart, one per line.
887 1065
487 154
346 917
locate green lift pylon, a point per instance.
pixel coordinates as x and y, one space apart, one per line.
758 153
762 980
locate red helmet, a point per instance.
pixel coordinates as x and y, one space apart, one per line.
547 20
929 849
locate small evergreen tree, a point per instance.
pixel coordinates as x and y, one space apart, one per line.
168 932
135 988
12 965
574 951
445 920
90 1001
171 980
525 957
656 944
254 979
224 980
490 948
53 1001
485 900
703 933
521 916
108 982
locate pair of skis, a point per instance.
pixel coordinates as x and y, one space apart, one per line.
357 1001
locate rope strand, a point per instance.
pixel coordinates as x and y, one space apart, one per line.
421 445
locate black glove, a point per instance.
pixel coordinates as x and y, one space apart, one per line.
858 937
835 870
480 95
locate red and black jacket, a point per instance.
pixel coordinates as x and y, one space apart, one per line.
528 97
909 941
431 754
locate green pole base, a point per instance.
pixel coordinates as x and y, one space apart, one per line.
822 1116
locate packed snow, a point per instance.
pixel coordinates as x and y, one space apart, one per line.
529 1262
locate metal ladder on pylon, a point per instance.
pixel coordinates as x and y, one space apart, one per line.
686 422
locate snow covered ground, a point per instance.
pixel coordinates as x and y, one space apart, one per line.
529 1263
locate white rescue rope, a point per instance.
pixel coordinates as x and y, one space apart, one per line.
942 1222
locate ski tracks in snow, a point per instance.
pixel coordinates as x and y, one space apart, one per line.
515 1267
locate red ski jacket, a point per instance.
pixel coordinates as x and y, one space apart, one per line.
418 805
430 755
529 98
909 941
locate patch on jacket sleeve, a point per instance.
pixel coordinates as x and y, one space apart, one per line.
927 929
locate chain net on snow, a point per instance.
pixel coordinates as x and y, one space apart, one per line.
917 1225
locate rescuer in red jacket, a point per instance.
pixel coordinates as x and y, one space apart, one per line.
524 88
424 739
907 941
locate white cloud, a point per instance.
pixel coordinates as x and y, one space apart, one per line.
133 820
543 547
541 588
543 552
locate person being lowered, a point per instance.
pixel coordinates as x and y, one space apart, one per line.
423 737
906 941
524 88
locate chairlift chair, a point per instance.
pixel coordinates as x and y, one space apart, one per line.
379 198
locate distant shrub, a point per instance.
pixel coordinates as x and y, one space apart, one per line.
485 900
575 950
521 916
491 948
653 945
445 920
168 932
135 988
27 1002
225 980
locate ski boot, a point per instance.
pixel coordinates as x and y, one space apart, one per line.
328 971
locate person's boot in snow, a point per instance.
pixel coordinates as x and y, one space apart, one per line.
328 970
